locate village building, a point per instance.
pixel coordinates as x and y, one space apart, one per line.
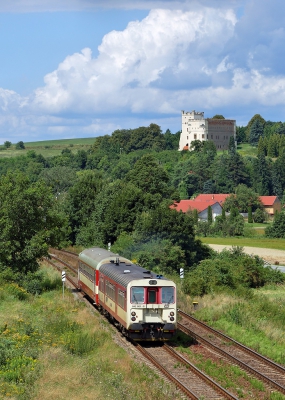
271 204
200 206
219 197
196 127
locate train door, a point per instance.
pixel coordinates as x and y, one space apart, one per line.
152 295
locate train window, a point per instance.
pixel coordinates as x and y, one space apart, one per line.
110 290
152 296
87 271
167 294
137 294
121 298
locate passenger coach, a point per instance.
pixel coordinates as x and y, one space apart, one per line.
140 302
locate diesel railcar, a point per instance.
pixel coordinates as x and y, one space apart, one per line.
141 303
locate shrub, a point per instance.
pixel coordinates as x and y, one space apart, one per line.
230 269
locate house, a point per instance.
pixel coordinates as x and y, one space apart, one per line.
219 197
271 204
200 206
196 127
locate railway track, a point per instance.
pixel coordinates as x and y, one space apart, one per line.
254 363
180 371
188 378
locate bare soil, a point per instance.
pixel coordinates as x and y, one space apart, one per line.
275 257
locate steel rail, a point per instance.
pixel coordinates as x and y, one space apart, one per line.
176 381
233 359
262 358
201 374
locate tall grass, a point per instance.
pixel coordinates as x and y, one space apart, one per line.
55 348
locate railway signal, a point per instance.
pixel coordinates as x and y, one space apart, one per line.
63 276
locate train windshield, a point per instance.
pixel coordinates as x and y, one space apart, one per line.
137 294
167 295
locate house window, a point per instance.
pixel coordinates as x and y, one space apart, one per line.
195 136
203 136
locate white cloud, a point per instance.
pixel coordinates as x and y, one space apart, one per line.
128 73
203 58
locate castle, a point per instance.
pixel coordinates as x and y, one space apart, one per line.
196 127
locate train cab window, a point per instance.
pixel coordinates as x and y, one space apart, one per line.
137 294
167 294
152 296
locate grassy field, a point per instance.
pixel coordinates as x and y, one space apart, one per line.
48 148
56 348
278 244
245 149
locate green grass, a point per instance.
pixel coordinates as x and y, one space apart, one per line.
245 149
48 148
262 242
55 348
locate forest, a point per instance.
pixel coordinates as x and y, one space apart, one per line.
119 192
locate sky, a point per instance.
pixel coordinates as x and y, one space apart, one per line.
84 68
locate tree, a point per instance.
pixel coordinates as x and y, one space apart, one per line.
80 199
261 176
149 176
277 229
218 116
256 131
210 215
7 144
29 222
259 216
249 218
208 187
241 134
252 121
59 178
20 145
232 147
164 223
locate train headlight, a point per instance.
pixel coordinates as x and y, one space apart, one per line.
133 318
133 313
172 313
171 318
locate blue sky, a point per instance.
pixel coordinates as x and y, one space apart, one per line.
83 68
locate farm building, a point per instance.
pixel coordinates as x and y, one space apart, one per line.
200 206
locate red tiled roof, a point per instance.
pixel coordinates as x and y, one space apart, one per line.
268 200
211 197
186 205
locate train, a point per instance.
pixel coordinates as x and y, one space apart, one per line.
141 303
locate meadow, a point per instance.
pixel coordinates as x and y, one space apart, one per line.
48 148
241 241
57 348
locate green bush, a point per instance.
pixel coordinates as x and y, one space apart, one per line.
230 269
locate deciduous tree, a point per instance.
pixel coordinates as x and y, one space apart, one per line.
29 222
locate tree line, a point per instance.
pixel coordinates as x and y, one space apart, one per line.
119 192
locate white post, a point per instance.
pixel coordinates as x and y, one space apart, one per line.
63 275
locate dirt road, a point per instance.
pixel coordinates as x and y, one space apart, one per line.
270 255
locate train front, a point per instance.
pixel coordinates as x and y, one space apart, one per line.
152 310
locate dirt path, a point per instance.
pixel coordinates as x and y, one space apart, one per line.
270 255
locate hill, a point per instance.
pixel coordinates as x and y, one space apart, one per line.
48 148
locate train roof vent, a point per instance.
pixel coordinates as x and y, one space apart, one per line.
126 271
